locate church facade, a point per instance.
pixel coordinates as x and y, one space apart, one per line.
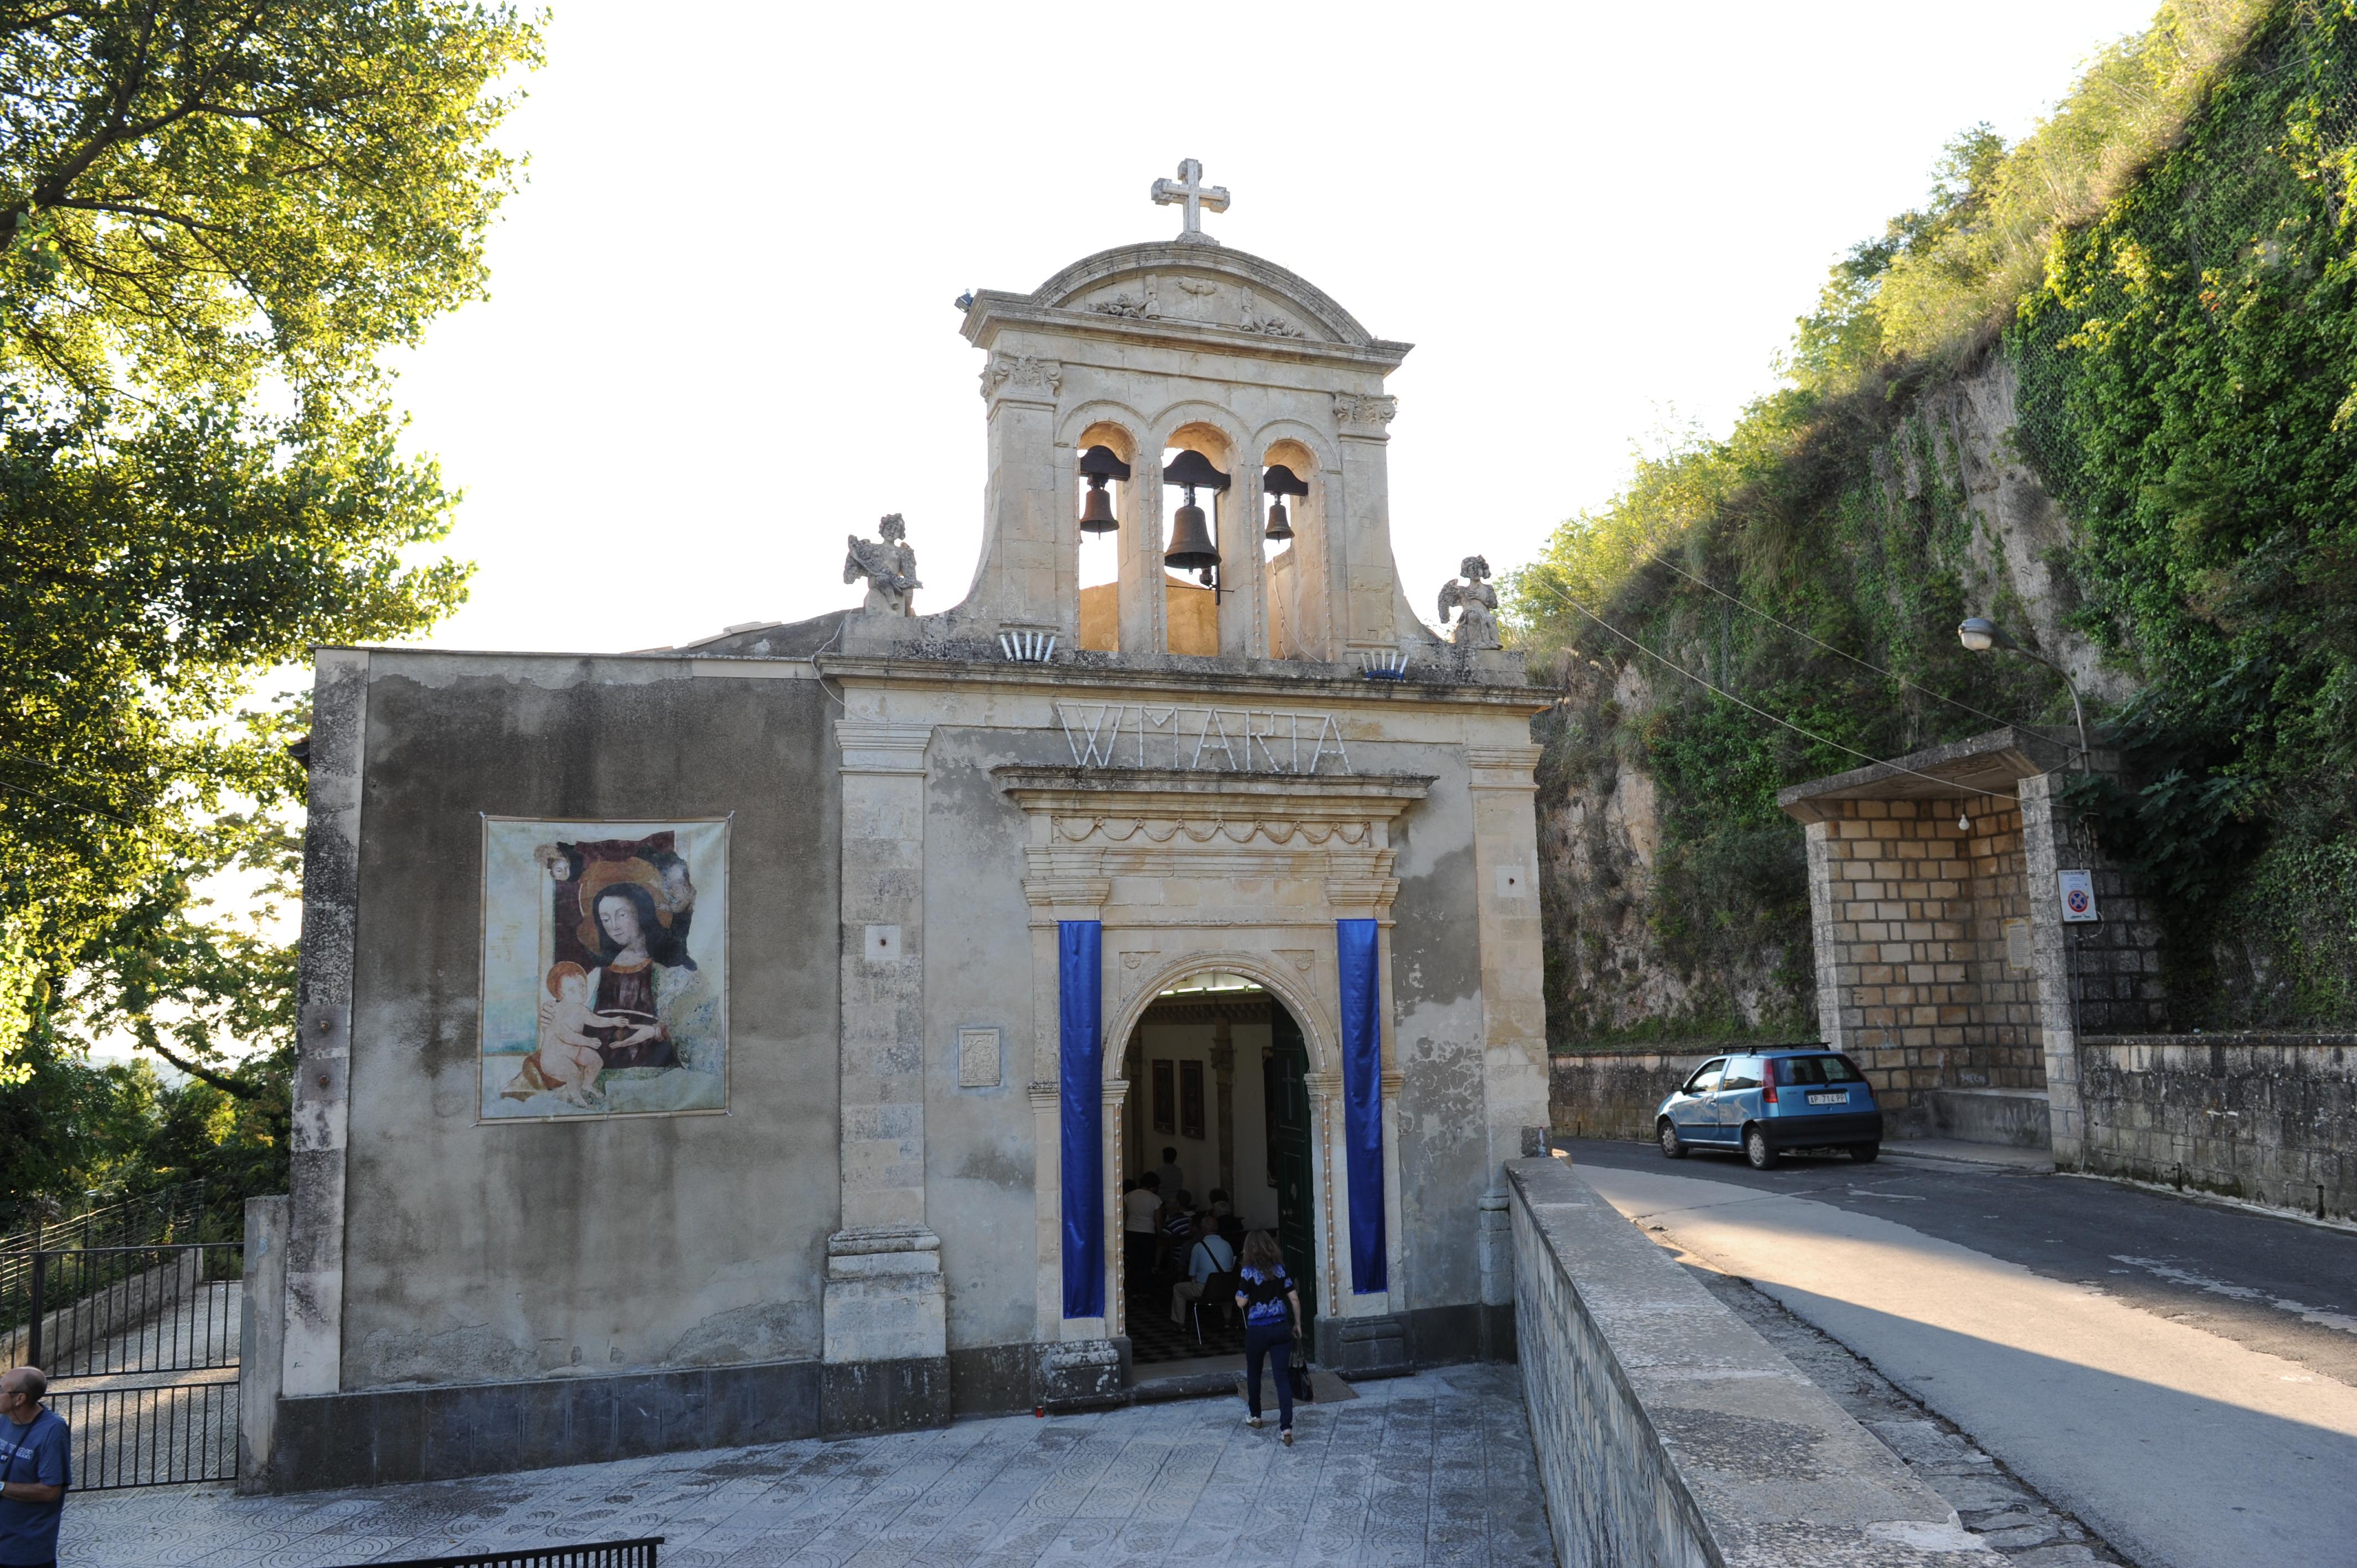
750 1040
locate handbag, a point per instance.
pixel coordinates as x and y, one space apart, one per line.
1304 1391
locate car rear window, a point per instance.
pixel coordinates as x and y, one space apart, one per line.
1817 1070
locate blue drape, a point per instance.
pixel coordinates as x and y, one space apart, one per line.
1363 1105
1080 982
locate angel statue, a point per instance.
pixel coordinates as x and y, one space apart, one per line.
1476 603
889 565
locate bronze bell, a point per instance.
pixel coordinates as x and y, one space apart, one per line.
1096 517
1190 532
1279 482
1099 465
1191 539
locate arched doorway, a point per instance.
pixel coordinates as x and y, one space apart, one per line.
1217 1067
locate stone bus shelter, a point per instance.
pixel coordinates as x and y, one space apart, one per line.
1946 966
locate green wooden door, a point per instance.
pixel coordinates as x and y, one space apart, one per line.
1289 1141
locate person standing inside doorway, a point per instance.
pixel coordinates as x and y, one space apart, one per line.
1141 1228
36 1468
1272 1310
1167 1174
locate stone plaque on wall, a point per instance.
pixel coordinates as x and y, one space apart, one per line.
977 1058
605 969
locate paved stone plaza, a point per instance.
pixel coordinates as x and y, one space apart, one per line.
1432 1468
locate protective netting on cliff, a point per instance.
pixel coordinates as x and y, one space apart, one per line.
2235 213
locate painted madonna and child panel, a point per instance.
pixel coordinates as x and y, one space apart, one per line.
605 969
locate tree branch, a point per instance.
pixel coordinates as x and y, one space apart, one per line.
226 1084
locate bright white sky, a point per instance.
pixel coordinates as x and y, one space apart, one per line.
721 334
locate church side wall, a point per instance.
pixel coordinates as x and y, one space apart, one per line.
527 1251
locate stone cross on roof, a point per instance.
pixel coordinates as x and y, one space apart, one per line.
1190 190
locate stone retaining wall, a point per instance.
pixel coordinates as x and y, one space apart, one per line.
1668 1431
2271 1118
1614 1094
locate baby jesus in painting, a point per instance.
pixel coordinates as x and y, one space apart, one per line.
568 1053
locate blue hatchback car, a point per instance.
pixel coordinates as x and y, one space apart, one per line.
1769 1101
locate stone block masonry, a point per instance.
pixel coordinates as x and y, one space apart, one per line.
1915 980
2269 1118
1668 1431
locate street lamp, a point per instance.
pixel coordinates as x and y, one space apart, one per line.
1980 634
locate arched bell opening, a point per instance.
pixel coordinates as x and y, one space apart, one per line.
1198 477
1288 481
1218 1074
1105 506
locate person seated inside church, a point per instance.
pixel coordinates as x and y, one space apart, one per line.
1209 1254
1219 1206
1168 1170
1141 1224
1177 1232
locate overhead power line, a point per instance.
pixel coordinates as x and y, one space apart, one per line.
1754 707
1829 648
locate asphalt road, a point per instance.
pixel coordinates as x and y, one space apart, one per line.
2182 1377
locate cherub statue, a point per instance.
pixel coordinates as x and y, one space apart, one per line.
1476 603
889 565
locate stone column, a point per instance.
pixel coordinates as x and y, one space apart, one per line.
1144 609
1243 577
1361 578
1506 909
1827 909
886 1356
1029 570
312 1352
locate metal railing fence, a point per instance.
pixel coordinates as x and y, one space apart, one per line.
155 1436
89 1312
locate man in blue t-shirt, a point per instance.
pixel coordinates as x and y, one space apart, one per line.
36 1468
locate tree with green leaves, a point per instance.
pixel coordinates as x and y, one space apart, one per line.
214 216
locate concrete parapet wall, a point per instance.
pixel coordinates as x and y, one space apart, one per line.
1669 1432
2271 1118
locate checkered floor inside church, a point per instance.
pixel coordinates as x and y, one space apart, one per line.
1154 1338
1429 1469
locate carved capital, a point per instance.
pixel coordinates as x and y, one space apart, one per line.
1359 415
1022 378
1503 766
869 746
1045 1093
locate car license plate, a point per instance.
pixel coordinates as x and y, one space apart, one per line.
1841 1099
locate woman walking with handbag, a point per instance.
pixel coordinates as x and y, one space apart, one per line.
1272 1310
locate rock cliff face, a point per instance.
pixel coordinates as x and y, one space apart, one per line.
1669 914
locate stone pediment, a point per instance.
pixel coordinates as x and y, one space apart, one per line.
1187 290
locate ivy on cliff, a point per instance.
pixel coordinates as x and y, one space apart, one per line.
2188 391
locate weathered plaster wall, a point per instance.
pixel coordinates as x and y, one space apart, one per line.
1444 1158
482 1253
2268 1118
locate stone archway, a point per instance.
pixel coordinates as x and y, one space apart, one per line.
1124 1100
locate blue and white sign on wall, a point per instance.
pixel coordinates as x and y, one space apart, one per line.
2078 895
